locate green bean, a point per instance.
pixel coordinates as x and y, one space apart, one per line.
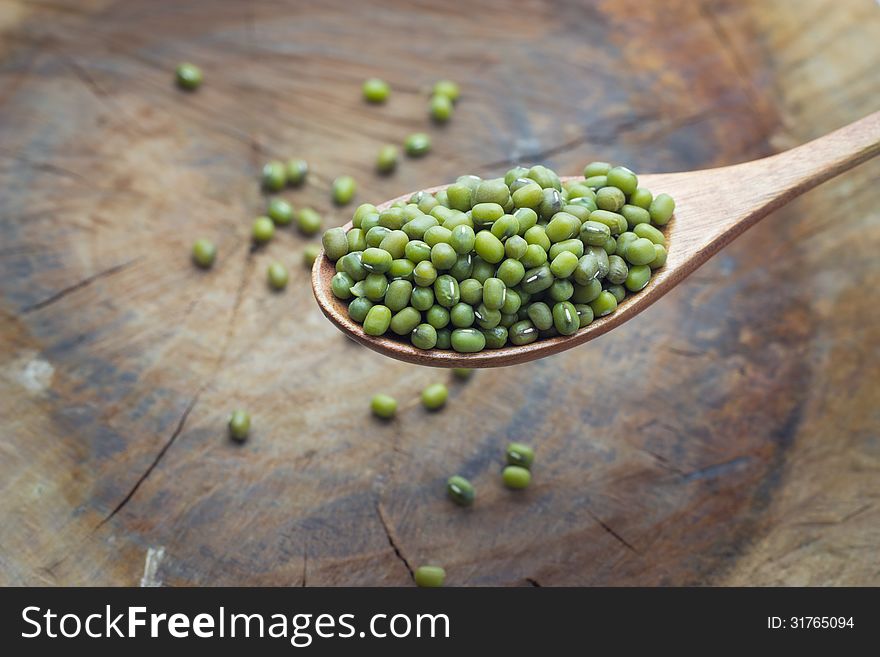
516 173
604 304
537 279
489 247
343 190
189 76
376 90
310 254
398 295
516 477
522 333
561 290
545 177
274 176
610 245
356 239
463 267
638 277
461 315
375 235
416 228
538 235
512 302
277 276
405 321
377 321
617 270
635 215
308 221
610 198
429 576
551 203
541 315
586 293
661 209
481 269
447 88
239 425
511 272
515 247
573 246
535 256
562 226
444 339
594 233
358 309
417 144
460 197
530 195
375 286
649 232
622 178
422 298
460 490
386 159
619 292
462 373
263 230
641 197
492 191
596 182
659 256
383 406
596 169
585 314
417 251
296 172
468 340
486 317
446 291
565 318
341 285
527 218
424 274
203 253
440 108
496 337
443 256
564 264
505 227
494 293
640 251
471 291
437 235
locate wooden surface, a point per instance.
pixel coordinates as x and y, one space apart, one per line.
709 214
728 435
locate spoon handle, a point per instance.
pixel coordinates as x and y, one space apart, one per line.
791 173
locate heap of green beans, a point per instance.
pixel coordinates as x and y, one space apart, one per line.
487 263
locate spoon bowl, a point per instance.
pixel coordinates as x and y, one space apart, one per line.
712 207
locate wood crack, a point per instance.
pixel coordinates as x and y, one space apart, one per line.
393 540
608 529
156 460
39 305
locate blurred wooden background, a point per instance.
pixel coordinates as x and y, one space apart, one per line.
729 435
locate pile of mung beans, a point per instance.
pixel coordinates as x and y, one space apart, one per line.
487 263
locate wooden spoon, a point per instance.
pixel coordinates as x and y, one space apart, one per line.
713 206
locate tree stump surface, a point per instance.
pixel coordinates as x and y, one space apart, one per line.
728 435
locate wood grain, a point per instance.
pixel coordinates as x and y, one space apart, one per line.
725 436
